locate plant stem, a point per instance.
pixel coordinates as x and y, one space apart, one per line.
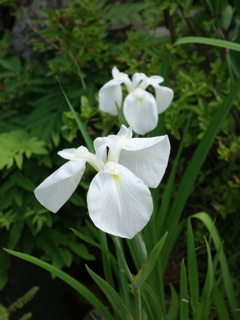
139 304
129 276
122 258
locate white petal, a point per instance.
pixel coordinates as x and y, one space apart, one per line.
53 192
72 153
119 203
123 77
110 96
164 96
140 111
80 153
139 80
155 80
147 158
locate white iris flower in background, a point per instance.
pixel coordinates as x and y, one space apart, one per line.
140 107
119 201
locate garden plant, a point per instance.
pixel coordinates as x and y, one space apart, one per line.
120 143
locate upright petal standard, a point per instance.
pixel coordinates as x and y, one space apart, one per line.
119 201
140 107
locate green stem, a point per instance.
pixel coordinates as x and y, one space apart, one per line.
122 258
139 304
129 276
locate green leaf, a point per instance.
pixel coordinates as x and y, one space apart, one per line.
184 301
203 309
193 169
174 305
219 303
148 266
115 300
94 243
192 267
80 288
15 233
228 284
151 302
227 16
81 127
208 41
4 258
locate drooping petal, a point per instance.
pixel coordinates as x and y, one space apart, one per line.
119 203
147 158
164 97
110 96
54 191
140 111
80 153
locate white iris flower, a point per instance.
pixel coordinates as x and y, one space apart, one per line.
119 201
140 107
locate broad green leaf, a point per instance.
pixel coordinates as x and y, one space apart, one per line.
184 301
81 127
80 288
174 305
228 284
148 266
113 297
192 267
209 41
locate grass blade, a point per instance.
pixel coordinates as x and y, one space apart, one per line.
81 127
115 300
206 298
81 289
193 169
219 304
184 303
174 305
209 41
228 284
192 268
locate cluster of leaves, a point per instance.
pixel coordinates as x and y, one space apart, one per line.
81 44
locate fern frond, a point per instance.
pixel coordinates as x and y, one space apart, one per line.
20 302
26 316
3 313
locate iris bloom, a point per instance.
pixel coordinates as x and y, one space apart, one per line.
119 201
140 107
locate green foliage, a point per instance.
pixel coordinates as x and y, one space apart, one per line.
15 144
6 312
81 44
